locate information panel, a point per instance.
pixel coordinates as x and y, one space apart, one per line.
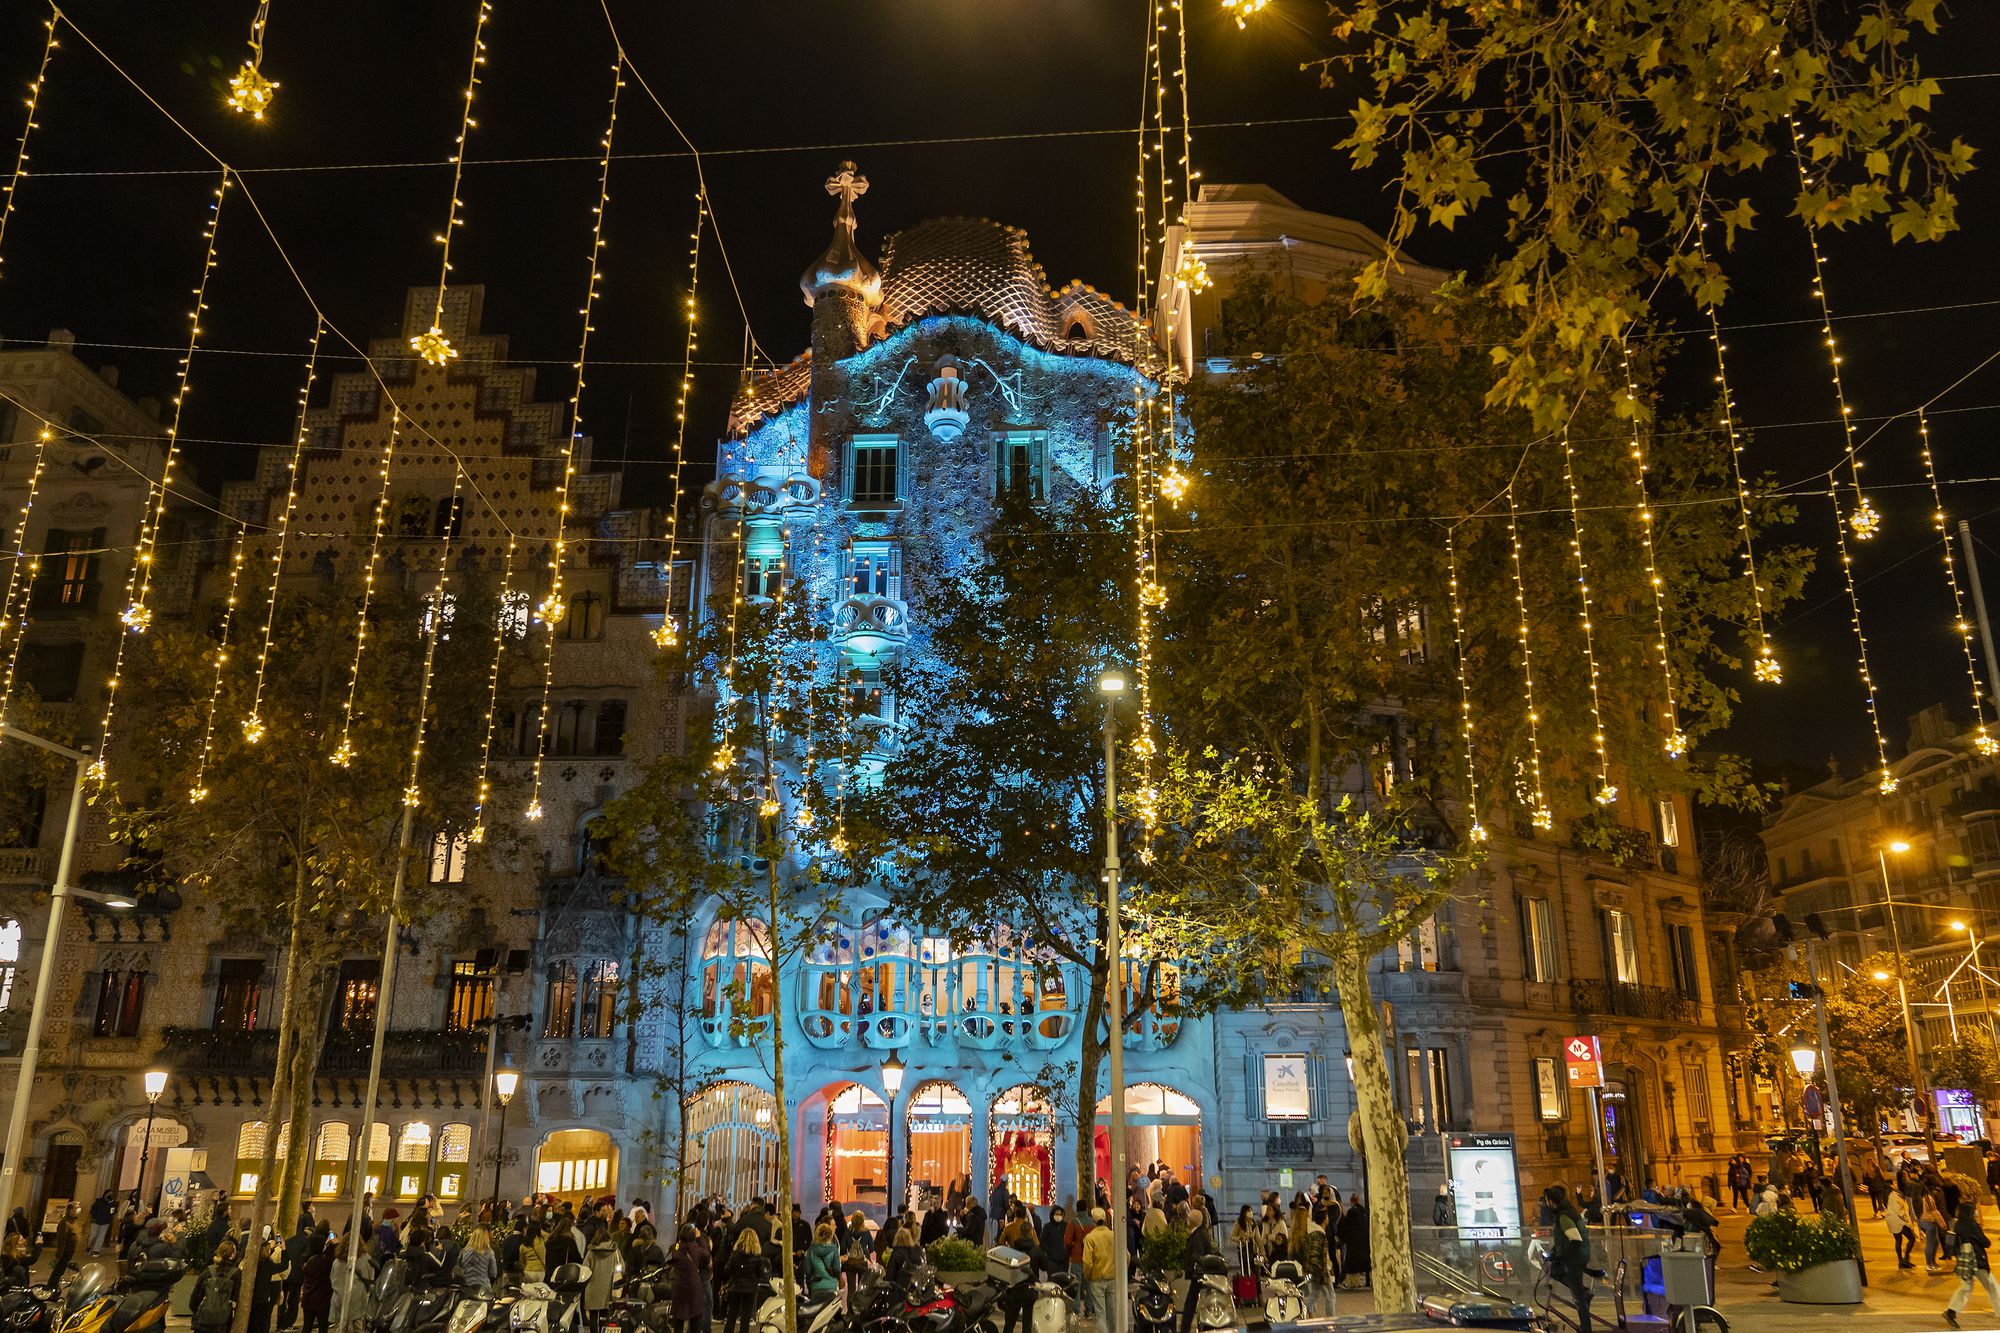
1486 1185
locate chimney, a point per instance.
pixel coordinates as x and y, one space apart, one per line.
62 340
109 374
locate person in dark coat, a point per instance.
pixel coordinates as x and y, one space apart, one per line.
937 1225
1971 1243
269 1286
687 1288
1352 1233
316 1287
746 1279
972 1225
1052 1251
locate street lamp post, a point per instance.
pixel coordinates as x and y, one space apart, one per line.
504 1084
156 1083
1803 1061
892 1083
24 1077
1111 685
1917 1091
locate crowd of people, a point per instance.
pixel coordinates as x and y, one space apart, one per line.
714 1267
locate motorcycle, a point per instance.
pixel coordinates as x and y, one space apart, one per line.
1153 1305
30 1309
551 1306
1285 1291
97 1302
1214 1301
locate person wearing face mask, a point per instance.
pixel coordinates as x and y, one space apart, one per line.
1052 1252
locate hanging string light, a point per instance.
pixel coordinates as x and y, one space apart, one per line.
668 634
1539 813
343 754
253 721
1676 742
198 791
28 128
1864 519
432 345
1766 668
551 611
21 573
1983 740
1475 830
1150 594
1606 793
138 613
413 794
504 619
731 702
1886 780
250 92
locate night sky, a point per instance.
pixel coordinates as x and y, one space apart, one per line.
774 92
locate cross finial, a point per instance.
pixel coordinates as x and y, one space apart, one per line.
848 184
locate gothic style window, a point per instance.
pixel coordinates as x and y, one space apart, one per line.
559 1014
600 999
121 1000
239 982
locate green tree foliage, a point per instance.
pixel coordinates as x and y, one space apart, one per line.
282 832
1311 692
1864 1033
1612 130
1969 1062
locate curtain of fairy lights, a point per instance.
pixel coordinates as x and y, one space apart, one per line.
21 571
28 128
668 633
1676 740
253 721
1539 813
1475 830
1982 739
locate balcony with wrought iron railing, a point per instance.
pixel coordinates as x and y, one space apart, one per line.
1628 1000
203 1051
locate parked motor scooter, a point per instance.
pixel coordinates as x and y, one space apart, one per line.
551 1306
97 1302
30 1309
1153 1305
1214 1301
1285 1292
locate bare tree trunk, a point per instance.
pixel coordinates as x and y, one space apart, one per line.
308 1037
1090 1060
1382 1136
783 1221
281 1094
679 991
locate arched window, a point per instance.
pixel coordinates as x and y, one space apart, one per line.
826 984
330 1149
885 1004
736 994
412 1173
559 1015
939 1124
1152 1000
250 1140
453 1154
1023 1132
378 1158
600 1000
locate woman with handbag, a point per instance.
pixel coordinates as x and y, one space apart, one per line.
1970 1238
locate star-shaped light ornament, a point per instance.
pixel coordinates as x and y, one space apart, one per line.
1542 818
413 796
1983 742
433 346
138 619
665 636
1477 832
1174 485
1866 520
253 729
1152 595
1677 744
1606 795
343 756
1193 273
1887 784
196 795
1767 671
1243 9
534 811
250 93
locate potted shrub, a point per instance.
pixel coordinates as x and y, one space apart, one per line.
957 1260
1162 1253
1815 1260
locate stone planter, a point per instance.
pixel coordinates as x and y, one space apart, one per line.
1836 1283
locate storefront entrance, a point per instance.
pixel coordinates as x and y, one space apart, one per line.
577 1164
732 1144
856 1146
938 1140
1161 1126
1023 1145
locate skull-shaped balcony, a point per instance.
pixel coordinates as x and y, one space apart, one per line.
873 628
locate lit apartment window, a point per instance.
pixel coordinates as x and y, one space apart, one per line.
1020 465
354 995
1667 821
471 999
1418 951
875 570
600 999
1538 939
871 471
764 575
1680 943
1622 934
239 984
559 1015
121 1000
10 958
448 857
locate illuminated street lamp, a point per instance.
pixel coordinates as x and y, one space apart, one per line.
504 1084
1882 850
892 1083
1805 1059
156 1083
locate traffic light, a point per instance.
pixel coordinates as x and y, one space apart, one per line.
1801 990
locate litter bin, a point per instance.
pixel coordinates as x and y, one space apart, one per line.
1686 1278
